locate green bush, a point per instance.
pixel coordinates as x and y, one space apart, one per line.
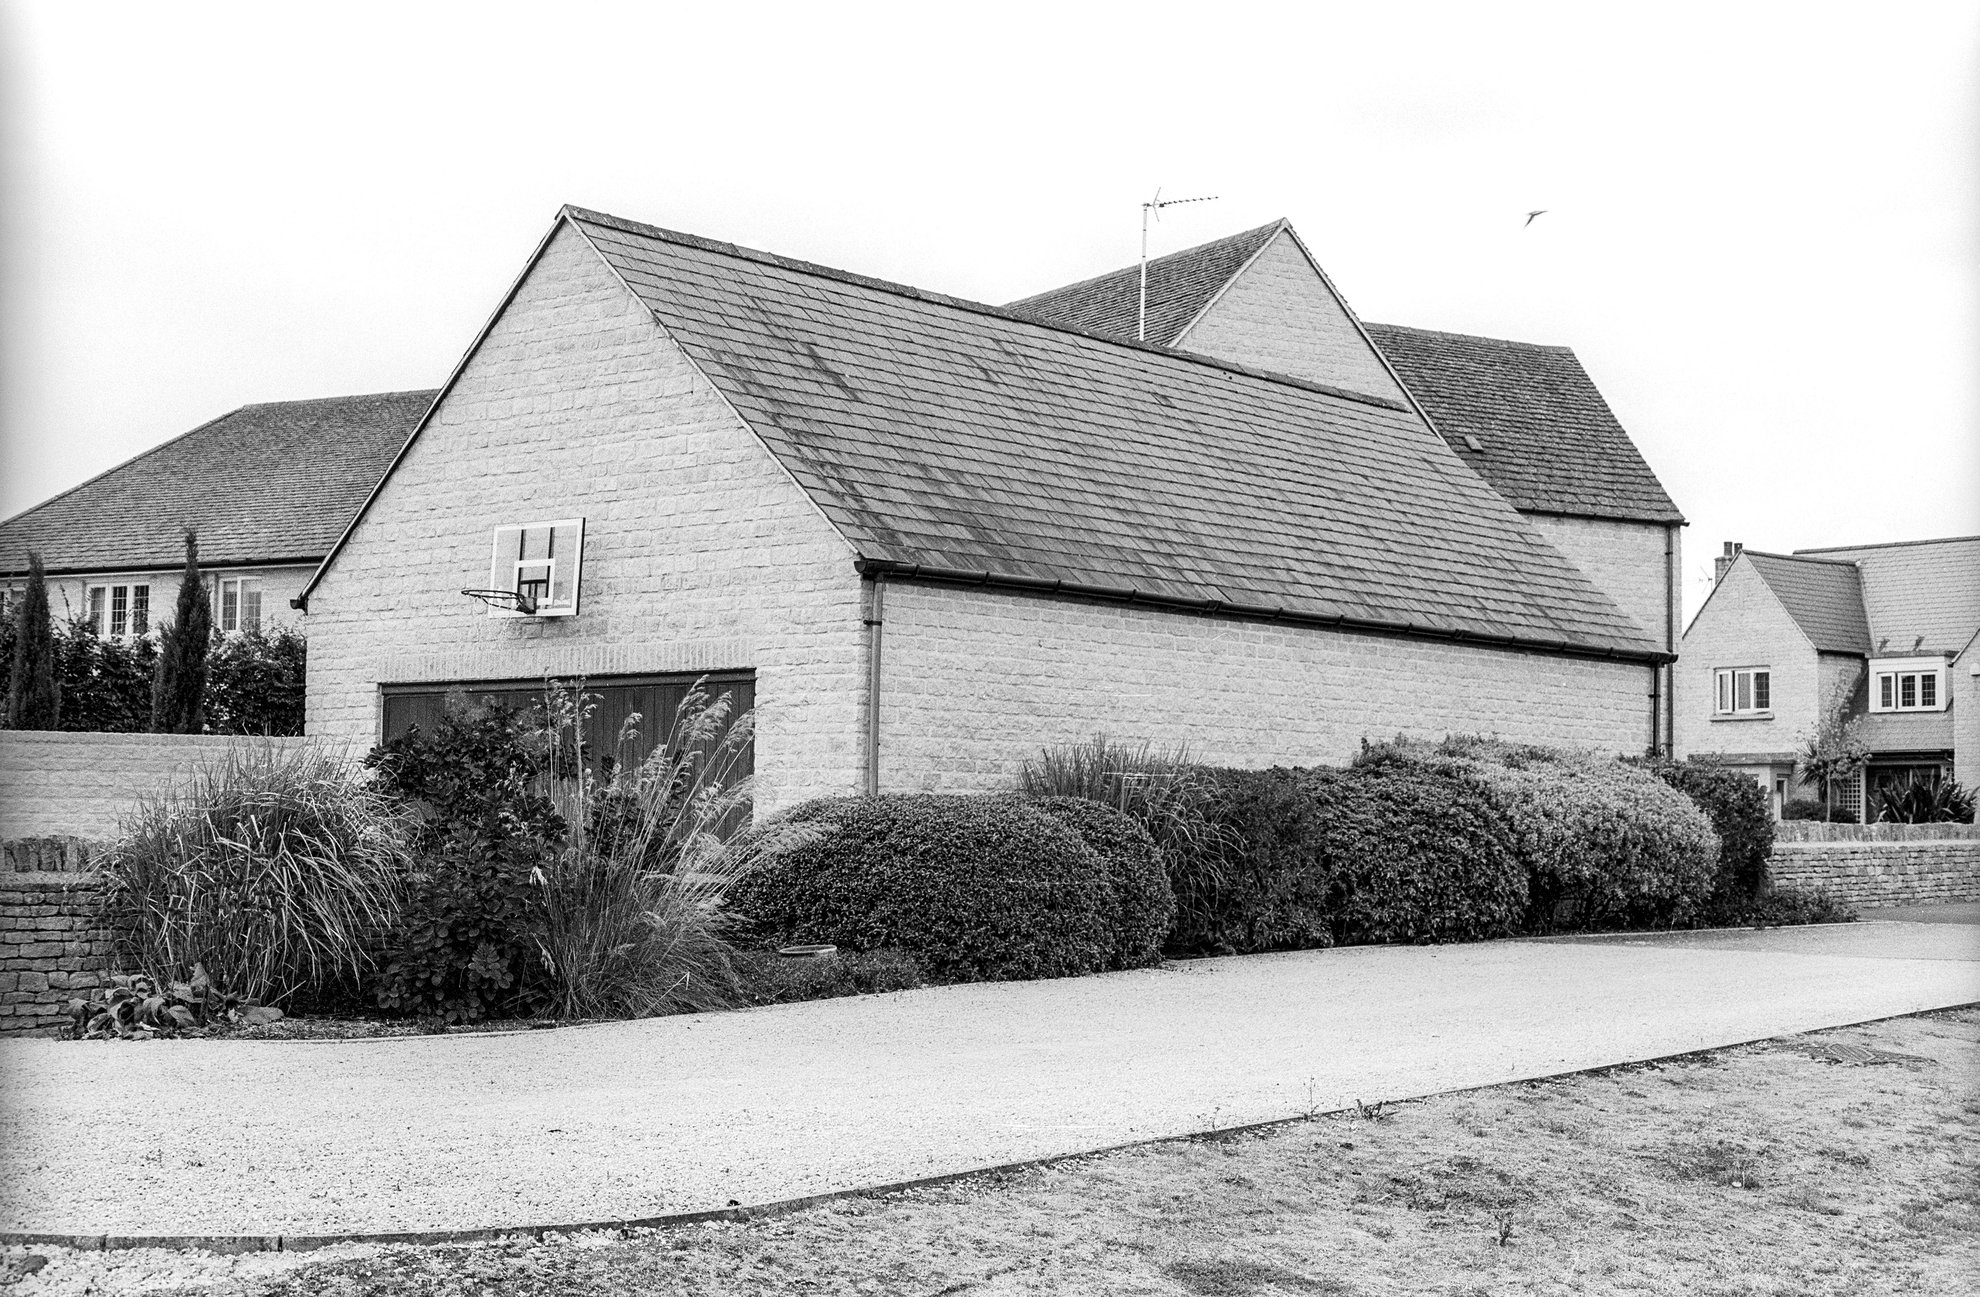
1926 801
467 945
1786 906
273 868
973 888
769 978
1738 807
106 683
254 682
1603 842
1261 884
1145 905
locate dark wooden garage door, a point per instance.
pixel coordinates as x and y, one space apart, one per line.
655 698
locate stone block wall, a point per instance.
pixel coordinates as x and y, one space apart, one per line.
57 784
1891 872
52 948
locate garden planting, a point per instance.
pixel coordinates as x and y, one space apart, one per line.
493 870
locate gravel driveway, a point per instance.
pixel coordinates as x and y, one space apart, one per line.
631 1120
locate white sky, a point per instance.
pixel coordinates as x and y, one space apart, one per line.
1763 235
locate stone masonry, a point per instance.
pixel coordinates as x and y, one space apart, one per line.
52 948
59 784
1907 872
1747 627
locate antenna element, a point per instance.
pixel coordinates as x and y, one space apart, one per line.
1154 207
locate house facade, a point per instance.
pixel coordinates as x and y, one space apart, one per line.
268 488
1526 418
927 537
1883 633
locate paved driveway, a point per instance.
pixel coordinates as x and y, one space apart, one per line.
631 1120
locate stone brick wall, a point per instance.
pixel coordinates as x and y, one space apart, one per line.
1743 625
1963 684
1883 873
700 552
55 784
1280 315
1625 560
975 681
52 948
1817 831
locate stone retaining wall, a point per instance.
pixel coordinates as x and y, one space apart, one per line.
1868 873
52 948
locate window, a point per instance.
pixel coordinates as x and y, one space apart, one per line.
1908 685
120 612
1743 691
238 600
540 563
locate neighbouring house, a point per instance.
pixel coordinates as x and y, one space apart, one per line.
1887 633
1526 418
926 537
268 488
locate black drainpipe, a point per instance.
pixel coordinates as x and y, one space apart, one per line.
874 620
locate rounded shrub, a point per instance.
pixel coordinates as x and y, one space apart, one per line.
1256 880
1737 806
973 888
1145 904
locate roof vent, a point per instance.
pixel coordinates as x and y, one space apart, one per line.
1472 443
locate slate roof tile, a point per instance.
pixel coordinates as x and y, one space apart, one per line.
953 435
1917 595
1824 598
1180 285
266 482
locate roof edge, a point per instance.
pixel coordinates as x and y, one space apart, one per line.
1881 544
872 568
1167 256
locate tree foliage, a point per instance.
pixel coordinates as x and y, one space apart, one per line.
178 696
34 698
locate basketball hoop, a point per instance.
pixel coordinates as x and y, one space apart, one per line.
511 600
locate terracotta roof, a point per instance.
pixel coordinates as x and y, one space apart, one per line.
1824 598
954 439
1180 285
1919 596
1551 443
267 482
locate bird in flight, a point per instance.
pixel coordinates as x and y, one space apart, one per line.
1531 215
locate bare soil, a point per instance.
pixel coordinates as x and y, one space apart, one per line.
1844 1162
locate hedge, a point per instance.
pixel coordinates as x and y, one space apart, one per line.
1145 905
973 888
1737 806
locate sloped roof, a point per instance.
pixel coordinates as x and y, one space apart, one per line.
269 482
1824 598
1180 285
1914 589
948 438
1552 444
1907 731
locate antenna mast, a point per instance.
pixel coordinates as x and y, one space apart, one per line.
1154 206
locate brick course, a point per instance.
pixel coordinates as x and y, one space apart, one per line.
53 948
1883 873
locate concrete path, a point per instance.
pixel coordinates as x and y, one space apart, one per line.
633 1120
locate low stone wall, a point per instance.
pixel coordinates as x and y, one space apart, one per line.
52 948
55 784
1891 872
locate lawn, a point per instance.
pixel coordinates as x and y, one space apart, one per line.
1804 1166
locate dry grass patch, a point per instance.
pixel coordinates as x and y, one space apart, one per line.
1760 1170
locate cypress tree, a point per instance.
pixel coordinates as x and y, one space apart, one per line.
34 697
178 690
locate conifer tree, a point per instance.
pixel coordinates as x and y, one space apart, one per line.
34 696
178 691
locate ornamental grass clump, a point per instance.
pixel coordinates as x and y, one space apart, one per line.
274 869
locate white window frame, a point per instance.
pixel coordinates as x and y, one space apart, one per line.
240 587
507 568
1923 677
1726 691
100 600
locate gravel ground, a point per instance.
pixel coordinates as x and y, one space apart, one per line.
1831 1165
630 1120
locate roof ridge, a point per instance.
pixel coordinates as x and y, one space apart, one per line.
324 400
1478 337
1798 558
722 248
1881 544
1272 226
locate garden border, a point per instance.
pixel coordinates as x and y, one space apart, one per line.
239 1243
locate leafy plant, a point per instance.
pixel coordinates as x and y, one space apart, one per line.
1926 801
1145 903
135 1007
769 978
1737 806
106 683
1835 752
178 695
34 700
275 867
255 682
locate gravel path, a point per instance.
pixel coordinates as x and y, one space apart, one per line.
630 1120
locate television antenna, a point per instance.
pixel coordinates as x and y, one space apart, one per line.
1153 207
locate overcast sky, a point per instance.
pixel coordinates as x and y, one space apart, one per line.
1762 232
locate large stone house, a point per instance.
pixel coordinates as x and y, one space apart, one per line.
1886 633
927 537
267 487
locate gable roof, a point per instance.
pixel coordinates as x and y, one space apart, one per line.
265 483
949 439
1824 598
1551 443
1923 592
1180 285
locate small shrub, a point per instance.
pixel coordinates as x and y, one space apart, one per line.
1926 801
1261 885
1803 808
273 868
1145 904
1787 906
136 1008
769 978
255 682
1737 806
973 888
106 683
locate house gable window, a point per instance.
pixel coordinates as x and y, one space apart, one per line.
119 612
237 603
1908 685
1742 691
